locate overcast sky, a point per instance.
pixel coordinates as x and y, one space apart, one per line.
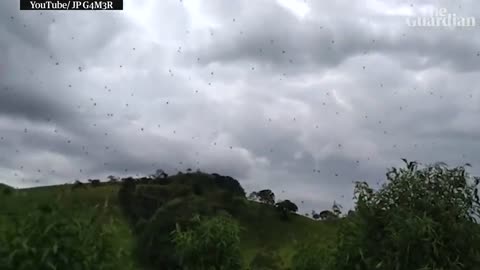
302 97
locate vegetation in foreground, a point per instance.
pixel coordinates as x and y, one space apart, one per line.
421 218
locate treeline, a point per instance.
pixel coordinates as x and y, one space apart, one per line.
267 196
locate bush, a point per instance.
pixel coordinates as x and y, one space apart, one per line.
154 247
212 243
420 219
49 238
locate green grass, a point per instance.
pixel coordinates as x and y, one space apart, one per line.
263 228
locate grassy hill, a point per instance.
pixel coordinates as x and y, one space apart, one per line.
422 218
263 228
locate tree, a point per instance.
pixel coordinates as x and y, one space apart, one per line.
94 182
419 219
253 196
112 179
78 184
336 209
286 207
315 215
327 215
265 196
159 173
212 243
230 184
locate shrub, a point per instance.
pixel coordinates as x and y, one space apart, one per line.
212 243
154 247
419 219
49 238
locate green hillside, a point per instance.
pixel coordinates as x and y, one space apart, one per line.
263 228
419 219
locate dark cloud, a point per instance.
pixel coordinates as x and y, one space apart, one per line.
303 99
345 31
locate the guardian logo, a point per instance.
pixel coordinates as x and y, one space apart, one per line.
441 18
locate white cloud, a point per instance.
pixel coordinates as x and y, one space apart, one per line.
297 7
301 96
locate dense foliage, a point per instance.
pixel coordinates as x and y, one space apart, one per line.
264 196
50 238
154 246
420 219
156 205
209 244
286 207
